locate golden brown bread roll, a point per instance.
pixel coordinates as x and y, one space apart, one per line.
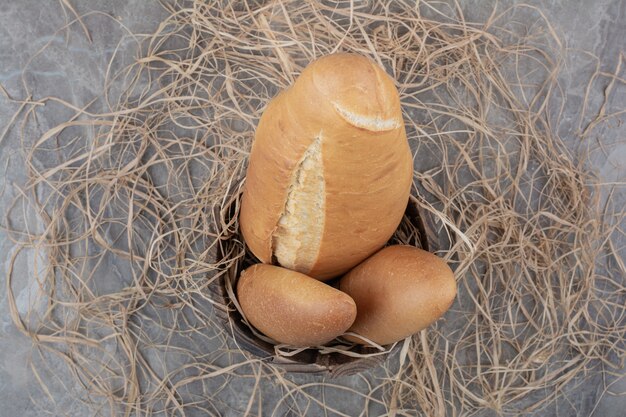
398 292
330 169
293 308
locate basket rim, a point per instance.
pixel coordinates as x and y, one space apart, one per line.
310 360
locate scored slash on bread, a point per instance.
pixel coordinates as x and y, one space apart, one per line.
369 123
306 197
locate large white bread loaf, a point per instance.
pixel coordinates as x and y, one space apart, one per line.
330 169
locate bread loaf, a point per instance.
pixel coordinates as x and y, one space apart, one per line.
398 292
330 169
293 308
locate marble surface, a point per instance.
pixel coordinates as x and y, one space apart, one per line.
74 69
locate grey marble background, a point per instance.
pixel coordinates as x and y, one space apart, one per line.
74 69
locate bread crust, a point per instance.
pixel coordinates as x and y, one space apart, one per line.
293 308
352 107
398 291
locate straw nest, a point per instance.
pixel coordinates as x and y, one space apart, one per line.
140 178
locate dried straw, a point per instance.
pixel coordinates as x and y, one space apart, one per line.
145 182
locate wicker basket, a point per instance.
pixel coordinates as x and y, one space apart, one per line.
310 360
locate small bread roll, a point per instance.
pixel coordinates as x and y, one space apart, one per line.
293 308
398 292
330 169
